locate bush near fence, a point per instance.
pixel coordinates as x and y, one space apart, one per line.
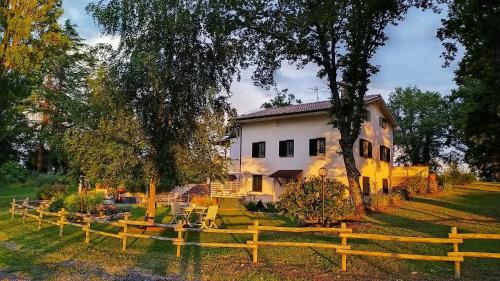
23 208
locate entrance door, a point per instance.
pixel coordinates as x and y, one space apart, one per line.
385 186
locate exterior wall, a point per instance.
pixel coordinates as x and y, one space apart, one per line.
301 129
401 173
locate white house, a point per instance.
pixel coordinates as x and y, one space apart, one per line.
278 145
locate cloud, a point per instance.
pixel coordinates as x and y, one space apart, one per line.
114 41
411 56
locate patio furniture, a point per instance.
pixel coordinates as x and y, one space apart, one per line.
208 219
193 210
177 213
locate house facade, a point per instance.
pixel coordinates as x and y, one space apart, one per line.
276 146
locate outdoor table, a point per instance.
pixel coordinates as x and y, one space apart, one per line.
199 210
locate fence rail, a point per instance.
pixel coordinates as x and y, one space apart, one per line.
23 208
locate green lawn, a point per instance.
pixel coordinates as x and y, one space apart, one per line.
26 253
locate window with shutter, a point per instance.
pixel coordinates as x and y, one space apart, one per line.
259 149
365 148
383 122
286 148
367 115
317 147
385 154
321 146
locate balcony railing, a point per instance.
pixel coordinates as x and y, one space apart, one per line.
227 189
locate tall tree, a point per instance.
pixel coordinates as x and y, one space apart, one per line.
109 147
282 98
28 29
340 37
173 56
59 86
424 118
475 25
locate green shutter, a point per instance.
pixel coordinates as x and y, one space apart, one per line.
282 149
313 147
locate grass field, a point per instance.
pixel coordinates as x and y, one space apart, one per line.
29 254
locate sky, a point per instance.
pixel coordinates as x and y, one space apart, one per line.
410 57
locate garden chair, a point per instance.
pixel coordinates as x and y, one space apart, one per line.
208 219
177 213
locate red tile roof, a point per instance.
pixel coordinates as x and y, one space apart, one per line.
296 109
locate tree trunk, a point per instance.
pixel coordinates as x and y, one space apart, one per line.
151 209
39 157
353 177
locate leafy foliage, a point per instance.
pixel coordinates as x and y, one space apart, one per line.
12 172
454 175
473 25
164 47
28 31
56 205
84 204
282 98
302 201
111 147
424 118
51 191
57 98
202 156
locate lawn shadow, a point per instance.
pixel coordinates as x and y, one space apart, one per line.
473 203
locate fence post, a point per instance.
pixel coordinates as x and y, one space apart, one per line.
344 243
61 221
25 209
40 217
13 208
87 229
455 249
255 239
124 234
179 238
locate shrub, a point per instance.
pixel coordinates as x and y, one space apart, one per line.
51 179
56 205
302 201
83 204
251 206
47 192
260 206
379 201
416 184
271 207
395 199
12 171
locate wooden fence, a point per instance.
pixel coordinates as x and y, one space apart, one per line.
23 209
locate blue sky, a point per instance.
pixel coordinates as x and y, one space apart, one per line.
411 56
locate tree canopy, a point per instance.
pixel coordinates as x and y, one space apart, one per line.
475 26
29 31
282 98
173 56
424 118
